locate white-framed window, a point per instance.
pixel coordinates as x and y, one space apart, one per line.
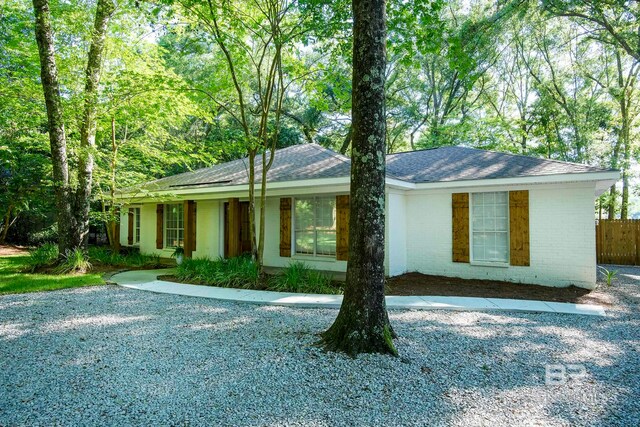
173 225
490 227
315 226
136 226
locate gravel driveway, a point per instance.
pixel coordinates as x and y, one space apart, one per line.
114 356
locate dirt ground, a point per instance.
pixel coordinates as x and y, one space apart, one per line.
417 284
8 250
422 284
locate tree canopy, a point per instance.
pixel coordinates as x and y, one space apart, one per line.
555 79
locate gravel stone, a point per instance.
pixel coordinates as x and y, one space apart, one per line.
115 356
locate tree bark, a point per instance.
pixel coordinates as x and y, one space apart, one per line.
6 224
362 325
104 11
346 142
57 136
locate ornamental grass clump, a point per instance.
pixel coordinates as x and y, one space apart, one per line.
74 261
239 272
298 277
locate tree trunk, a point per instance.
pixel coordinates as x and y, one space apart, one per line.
57 137
104 10
346 142
611 202
363 324
6 224
112 217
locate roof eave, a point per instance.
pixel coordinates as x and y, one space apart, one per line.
603 179
213 190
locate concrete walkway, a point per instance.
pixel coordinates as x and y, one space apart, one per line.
147 280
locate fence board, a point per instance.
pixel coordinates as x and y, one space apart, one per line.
618 241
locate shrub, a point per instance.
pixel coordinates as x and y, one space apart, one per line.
74 261
297 277
47 235
240 272
41 257
134 258
104 255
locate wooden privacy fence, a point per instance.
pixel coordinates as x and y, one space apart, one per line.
618 241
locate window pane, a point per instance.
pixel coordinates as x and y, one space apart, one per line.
315 226
326 243
326 213
305 242
174 225
304 214
489 222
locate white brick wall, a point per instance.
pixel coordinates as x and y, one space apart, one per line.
562 237
396 234
418 235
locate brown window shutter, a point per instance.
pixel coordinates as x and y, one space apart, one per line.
342 228
519 227
285 227
116 231
130 228
460 221
189 228
159 226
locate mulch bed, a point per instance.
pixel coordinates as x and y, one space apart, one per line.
417 284
423 284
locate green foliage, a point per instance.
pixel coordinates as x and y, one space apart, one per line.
74 261
47 235
13 279
242 272
239 272
298 277
609 275
41 257
134 259
177 251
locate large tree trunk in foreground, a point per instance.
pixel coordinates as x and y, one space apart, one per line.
362 326
57 137
104 10
72 208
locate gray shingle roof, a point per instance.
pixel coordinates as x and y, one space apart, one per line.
311 161
298 162
462 163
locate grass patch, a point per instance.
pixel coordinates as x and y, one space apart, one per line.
14 281
242 272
